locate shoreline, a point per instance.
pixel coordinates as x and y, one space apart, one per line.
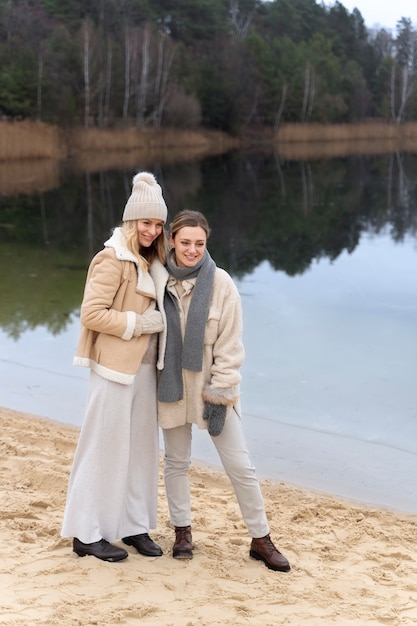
201 465
356 470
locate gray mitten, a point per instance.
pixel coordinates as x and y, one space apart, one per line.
215 414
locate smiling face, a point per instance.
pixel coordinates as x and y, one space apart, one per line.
148 231
189 244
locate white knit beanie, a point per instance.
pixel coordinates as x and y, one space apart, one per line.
146 199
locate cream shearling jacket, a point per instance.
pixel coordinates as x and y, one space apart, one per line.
116 290
219 380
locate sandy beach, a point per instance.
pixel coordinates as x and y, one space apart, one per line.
351 564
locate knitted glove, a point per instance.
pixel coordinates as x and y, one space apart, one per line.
215 414
148 323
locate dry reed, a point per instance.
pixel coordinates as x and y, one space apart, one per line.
35 140
126 139
319 141
30 140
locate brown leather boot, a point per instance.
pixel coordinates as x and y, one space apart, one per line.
264 550
183 546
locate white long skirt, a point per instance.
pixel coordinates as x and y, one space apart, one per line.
113 486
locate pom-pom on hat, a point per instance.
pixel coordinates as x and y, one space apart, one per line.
146 200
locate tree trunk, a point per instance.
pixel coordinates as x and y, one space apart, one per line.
404 94
143 86
108 82
306 91
281 105
392 94
312 95
161 81
39 88
240 24
127 75
86 65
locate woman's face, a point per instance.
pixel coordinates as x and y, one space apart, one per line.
189 245
148 231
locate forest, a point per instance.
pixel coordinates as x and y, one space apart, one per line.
229 65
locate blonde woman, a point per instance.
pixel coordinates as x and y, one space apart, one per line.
112 492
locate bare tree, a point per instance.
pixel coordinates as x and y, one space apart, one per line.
406 60
281 105
93 73
382 42
86 72
240 23
144 78
309 92
148 63
106 107
128 60
39 86
406 88
166 53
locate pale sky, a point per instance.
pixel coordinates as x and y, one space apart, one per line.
382 13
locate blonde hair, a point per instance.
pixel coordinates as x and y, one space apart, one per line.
145 256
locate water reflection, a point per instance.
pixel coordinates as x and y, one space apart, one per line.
324 254
261 208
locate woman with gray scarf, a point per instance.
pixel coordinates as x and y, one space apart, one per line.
200 384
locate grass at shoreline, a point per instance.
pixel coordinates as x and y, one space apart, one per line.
36 140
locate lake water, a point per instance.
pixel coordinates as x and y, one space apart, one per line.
327 275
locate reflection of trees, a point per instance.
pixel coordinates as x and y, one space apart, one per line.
260 207
401 214
47 241
42 289
299 212
287 213
396 207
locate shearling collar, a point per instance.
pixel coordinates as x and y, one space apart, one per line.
117 241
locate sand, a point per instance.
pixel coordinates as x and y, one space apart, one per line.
351 564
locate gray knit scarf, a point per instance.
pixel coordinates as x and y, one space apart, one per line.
187 355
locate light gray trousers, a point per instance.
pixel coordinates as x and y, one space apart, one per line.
231 446
113 486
